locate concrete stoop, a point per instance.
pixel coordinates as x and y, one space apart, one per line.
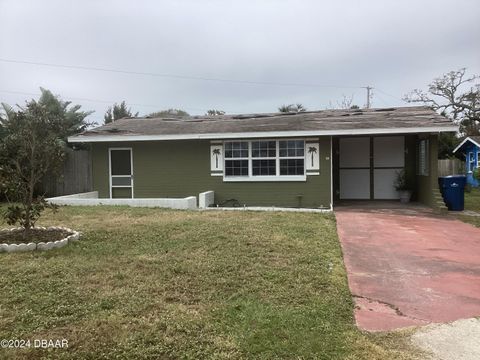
438 202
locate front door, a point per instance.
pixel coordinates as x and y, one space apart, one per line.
368 167
121 173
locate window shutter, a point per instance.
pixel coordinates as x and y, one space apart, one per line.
312 158
216 159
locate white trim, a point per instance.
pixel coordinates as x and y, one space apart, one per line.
464 141
265 178
259 135
470 162
110 170
313 173
216 174
252 178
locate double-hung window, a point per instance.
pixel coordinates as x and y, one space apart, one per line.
236 158
265 160
292 157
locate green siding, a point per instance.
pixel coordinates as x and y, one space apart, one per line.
427 186
121 193
411 163
182 168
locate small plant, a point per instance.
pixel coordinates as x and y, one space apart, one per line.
401 183
476 174
27 217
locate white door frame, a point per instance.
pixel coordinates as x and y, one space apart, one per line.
110 170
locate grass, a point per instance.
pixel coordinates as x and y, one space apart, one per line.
164 284
472 202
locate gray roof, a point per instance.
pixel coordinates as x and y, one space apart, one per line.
324 122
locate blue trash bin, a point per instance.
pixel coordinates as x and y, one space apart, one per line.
452 188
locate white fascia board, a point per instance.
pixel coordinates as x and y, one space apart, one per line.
262 134
464 141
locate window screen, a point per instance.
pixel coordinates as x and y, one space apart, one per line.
120 162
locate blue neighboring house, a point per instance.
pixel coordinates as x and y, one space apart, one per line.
471 148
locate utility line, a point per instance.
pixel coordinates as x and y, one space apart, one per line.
382 99
100 101
177 76
392 96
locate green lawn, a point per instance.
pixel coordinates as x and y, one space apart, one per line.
472 202
150 283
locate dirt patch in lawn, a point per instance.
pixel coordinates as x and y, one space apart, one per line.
35 235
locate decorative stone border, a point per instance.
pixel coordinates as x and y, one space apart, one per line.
42 246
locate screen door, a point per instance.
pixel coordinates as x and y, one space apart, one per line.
121 173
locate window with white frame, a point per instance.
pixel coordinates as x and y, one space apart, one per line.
471 161
265 159
423 157
236 158
292 157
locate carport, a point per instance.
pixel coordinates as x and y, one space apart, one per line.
366 167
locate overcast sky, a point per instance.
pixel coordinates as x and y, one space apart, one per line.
338 46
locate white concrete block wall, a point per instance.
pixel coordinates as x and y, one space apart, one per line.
91 199
205 199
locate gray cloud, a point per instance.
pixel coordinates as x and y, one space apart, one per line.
394 46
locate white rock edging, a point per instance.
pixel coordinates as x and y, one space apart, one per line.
41 246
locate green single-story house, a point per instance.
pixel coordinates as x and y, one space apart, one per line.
312 159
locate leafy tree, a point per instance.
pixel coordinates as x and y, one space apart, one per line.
73 120
118 111
169 113
292 108
215 112
455 96
32 146
446 143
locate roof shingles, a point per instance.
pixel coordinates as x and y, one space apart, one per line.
315 121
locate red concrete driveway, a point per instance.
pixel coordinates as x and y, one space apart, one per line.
408 267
